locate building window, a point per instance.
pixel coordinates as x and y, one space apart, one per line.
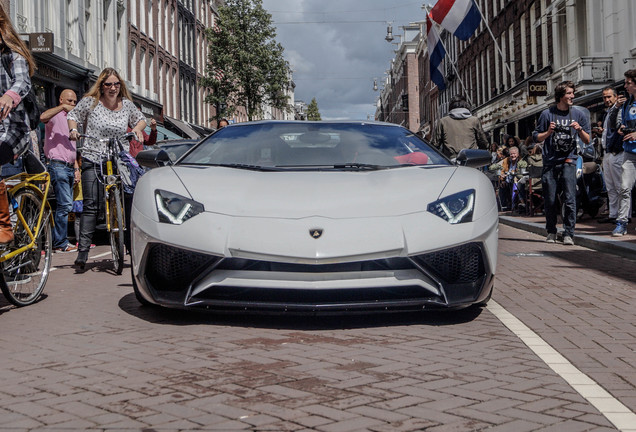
150 20
483 74
174 92
497 71
160 77
151 74
562 36
133 13
91 46
142 16
544 35
143 71
511 62
581 27
533 37
133 64
524 45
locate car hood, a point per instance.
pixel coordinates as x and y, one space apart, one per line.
329 194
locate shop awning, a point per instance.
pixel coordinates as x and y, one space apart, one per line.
182 127
163 133
201 130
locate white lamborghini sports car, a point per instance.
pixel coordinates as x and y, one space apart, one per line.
280 216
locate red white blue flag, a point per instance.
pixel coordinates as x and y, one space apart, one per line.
459 17
436 53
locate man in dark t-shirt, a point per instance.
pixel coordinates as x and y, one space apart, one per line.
558 127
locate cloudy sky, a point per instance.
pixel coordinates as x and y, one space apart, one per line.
336 49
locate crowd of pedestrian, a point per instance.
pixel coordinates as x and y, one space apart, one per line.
563 138
561 133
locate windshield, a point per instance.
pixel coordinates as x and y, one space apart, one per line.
313 144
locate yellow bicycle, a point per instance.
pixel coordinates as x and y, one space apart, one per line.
113 197
26 262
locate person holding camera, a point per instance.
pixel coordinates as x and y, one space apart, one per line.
558 128
626 124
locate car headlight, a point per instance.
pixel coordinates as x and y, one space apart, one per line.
456 208
175 209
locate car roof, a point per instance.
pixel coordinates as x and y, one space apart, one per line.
317 123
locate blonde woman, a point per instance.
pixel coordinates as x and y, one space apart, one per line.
15 82
106 111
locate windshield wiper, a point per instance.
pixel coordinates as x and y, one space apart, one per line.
359 166
246 166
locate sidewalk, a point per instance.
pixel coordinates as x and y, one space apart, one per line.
588 233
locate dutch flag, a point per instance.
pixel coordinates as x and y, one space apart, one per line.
436 53
459 17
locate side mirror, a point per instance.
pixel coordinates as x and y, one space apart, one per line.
473 158
153 158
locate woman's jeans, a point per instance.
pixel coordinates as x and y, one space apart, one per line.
93 195
562 176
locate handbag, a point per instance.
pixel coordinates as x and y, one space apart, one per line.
129 171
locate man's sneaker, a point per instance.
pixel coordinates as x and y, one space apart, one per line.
551 238
66 249
620 230
567 240
91 247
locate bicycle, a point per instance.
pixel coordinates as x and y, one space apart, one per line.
25 263
113 197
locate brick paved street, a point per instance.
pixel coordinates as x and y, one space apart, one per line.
88 357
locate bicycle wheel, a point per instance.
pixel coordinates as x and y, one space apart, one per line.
116 222
24 276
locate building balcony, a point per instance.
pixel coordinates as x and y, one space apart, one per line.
585 70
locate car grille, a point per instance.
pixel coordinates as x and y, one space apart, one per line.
460 271
461 264
173 269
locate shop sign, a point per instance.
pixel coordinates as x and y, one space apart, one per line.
149 110
41 42
537 88
49 72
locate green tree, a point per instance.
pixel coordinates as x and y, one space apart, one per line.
312 111
245 64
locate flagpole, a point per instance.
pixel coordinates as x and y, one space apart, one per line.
503 60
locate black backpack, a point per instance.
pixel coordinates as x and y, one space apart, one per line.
29 101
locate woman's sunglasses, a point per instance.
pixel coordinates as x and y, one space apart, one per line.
109 85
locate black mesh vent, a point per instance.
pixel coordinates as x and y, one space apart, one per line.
460 264
173 269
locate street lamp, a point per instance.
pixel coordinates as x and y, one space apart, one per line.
389 33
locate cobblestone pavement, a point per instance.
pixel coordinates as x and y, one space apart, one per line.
88 357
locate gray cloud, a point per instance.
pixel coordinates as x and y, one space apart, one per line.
337 48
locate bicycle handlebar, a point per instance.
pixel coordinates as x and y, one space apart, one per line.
127 135
116 141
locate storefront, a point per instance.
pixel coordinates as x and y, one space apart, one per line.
55 74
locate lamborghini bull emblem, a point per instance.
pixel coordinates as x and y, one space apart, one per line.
315 232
